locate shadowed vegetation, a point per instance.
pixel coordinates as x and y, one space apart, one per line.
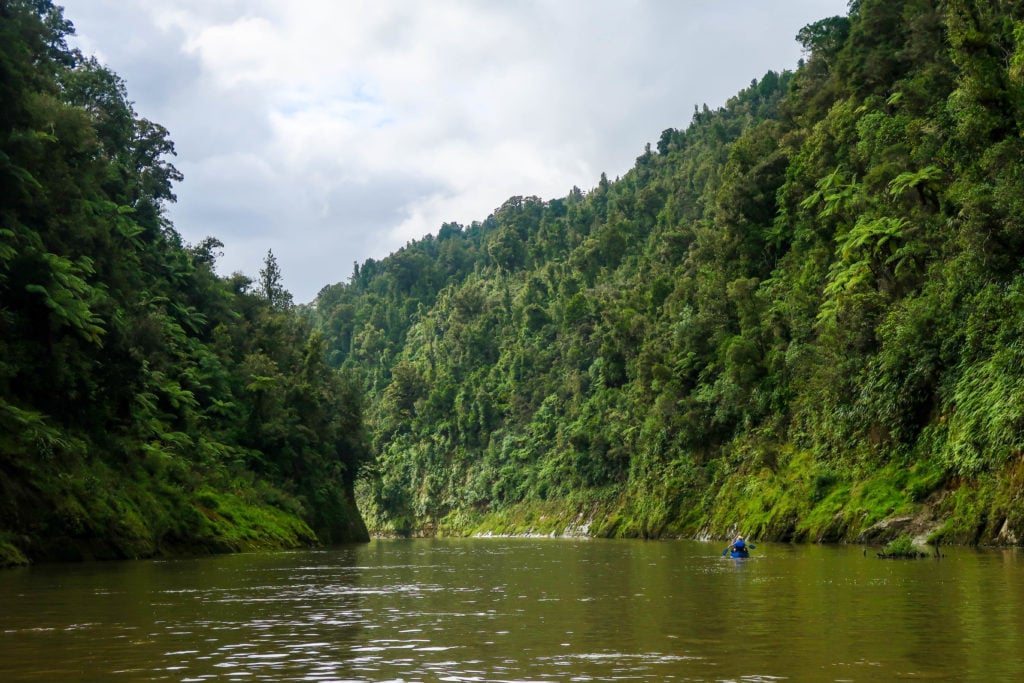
147 406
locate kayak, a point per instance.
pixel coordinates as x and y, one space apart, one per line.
737 553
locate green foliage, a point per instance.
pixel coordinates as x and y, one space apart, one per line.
900 546
146 405
271 285
800 315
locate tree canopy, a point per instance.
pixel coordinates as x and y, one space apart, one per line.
799 314
146 404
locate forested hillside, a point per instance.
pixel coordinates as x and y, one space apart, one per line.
147 406
800 316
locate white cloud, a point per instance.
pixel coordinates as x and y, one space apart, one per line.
332 132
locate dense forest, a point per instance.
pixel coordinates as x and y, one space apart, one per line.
147 406
800 316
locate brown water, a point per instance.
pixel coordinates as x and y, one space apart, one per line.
519 610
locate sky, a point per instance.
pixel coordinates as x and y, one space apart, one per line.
333 131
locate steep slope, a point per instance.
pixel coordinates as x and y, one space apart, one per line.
799 316
146 406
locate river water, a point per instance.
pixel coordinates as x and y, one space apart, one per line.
520 610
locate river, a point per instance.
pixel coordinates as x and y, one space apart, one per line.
520 610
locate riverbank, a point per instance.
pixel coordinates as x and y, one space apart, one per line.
101 513
230 525
794 500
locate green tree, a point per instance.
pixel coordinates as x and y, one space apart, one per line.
271 283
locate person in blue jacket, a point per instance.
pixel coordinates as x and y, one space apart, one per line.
739 546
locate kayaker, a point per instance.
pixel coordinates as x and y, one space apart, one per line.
738 546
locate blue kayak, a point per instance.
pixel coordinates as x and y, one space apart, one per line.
739 550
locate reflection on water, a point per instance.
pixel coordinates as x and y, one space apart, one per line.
519 610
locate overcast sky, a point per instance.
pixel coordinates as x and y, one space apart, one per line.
332 131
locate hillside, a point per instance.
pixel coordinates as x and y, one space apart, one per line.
798 316
147 406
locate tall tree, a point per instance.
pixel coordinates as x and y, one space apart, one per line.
271 283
